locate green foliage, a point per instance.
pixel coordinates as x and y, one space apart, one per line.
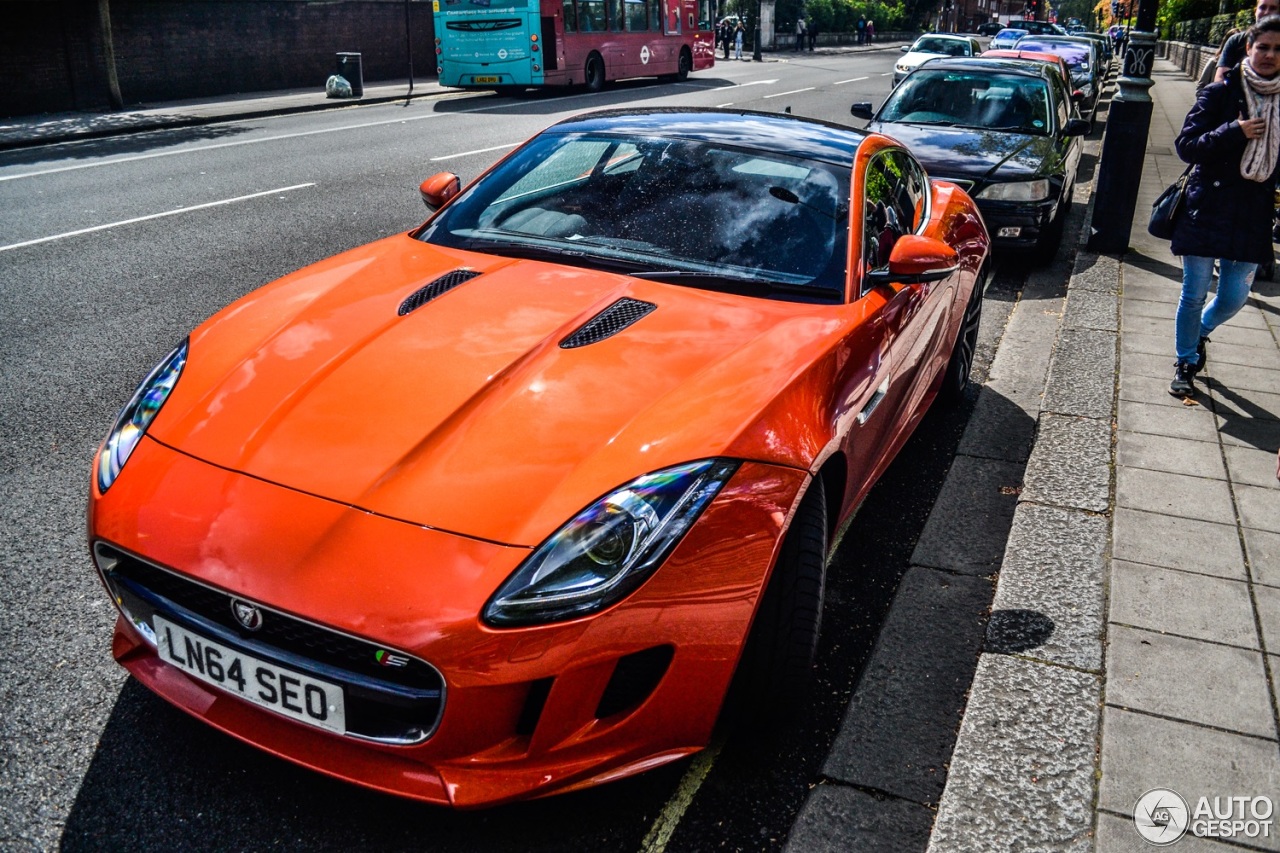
1208 29
841 16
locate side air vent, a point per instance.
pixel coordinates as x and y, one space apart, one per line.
442 285
608 322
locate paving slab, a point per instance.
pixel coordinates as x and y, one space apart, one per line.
1263 549
1259 506
1149 343
1088 309
1192 680
1251 466
1147 364
1152 387
1119 835
1268 598
1192 605
1259 405
1193 422
1190 544
1001 427
1049 603
1242 378
840 819
1022 777
969 523
1174 455
1231 333
899 728
1133 307
1141 752
1082 375
1070 465
1141 324
1221 352
1150 288
1249 432
1174 494
1095 272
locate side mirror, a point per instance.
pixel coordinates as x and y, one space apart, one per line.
1076 127
916 260
906 48
438 189
862 109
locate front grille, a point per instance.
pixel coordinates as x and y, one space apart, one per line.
608 322
390 704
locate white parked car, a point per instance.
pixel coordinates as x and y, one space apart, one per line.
1006 38
930 46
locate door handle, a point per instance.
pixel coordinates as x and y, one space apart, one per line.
871 405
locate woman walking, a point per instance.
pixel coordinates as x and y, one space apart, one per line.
737 40
1232 136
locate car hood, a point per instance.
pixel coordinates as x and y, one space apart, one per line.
466 414
972 154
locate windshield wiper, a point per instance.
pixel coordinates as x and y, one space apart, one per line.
733 283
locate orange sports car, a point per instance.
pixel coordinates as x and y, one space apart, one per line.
524 499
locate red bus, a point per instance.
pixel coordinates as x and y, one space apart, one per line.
512 44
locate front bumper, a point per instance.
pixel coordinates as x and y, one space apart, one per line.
1030 219
518 712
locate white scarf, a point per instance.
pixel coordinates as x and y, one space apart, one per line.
1263 98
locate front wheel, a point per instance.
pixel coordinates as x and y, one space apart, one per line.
684 67
961 364
593 76
773 676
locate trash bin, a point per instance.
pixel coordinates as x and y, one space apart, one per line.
349 68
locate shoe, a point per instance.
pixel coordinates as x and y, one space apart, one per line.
1203 354
1181 385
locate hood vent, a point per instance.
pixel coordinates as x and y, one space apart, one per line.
440 286
608 322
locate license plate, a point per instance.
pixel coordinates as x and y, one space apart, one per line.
486 79
292 694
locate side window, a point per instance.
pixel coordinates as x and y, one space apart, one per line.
637 16
896 200
616 19
570 17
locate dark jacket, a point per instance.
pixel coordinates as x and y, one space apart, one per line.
1224 214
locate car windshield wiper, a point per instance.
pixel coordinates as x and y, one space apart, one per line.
733 283
557 254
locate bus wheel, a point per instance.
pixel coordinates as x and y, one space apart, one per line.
594 76
685 66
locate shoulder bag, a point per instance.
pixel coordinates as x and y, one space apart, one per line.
1165 209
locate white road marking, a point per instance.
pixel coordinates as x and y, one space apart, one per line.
792 92
722 106
152 216
655 840
750 83
886 74
215 146
477 151
850 80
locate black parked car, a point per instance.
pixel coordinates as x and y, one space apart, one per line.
990 28
1083 58
1003 129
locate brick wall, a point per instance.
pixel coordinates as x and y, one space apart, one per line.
51 53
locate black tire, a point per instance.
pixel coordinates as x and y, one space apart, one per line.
1047 246
593 74
1267 271
684 66
956 379
772 681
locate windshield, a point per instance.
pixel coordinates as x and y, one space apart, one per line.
1076 55
945 47
684 211
971 99
1010 35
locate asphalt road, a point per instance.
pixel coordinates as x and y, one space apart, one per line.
110 251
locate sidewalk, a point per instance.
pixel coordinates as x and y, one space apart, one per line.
1152 598
30 131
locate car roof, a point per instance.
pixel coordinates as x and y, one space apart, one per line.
987 63
795 135
951 36
1012 30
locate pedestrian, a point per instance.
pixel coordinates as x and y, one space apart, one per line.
1232 49
1232 138
738 35
862 30
799 34
871 31
725 36
1209 73
813 36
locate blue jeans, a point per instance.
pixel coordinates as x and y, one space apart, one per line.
1195 319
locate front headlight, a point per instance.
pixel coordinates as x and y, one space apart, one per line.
137 415
903 68
1017 191
609 548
